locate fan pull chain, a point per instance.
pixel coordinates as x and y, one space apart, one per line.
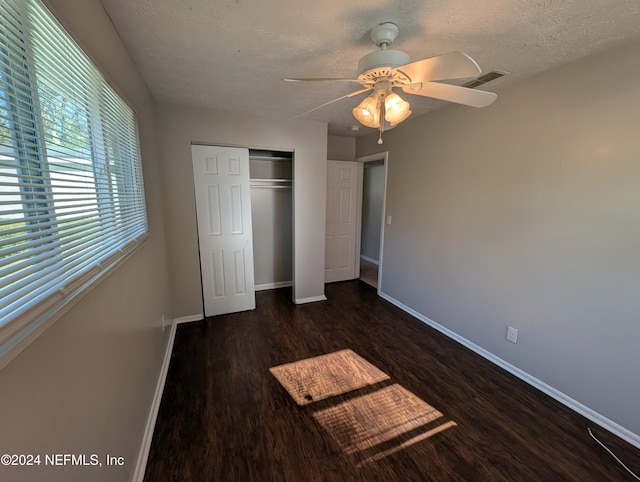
382 115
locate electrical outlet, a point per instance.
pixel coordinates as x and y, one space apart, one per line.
512 334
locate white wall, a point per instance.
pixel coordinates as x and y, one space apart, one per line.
527 213
85 386
178 127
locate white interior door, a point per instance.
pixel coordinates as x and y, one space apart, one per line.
340 234
223 206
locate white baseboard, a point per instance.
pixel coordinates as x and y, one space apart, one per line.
189 319
311 299
604 422
273 286
371 260
143 455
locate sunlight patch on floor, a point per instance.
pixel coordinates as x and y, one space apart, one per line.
324 376
366 426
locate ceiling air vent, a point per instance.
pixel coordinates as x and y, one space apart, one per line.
483 79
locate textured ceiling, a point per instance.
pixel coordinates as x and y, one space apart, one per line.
233 54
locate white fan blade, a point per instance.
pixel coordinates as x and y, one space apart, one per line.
324 79
454 65
451 93
335 100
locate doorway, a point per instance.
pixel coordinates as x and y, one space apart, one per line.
372 217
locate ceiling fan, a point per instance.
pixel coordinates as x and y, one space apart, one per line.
383 70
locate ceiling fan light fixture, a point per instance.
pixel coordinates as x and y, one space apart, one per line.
396 109
386 69
368 112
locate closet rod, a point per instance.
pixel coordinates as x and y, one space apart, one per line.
264 186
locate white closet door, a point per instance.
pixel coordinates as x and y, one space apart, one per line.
340 233
223 205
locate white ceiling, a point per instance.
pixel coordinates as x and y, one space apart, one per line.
233 54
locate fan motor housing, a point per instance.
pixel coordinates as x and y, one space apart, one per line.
382 58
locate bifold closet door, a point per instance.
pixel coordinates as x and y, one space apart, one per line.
223 206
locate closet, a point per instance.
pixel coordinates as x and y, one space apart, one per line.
272 217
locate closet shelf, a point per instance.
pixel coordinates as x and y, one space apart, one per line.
267 186
268 158
270 180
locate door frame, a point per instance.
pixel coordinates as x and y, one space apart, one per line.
384 157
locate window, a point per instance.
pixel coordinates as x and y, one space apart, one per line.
71 190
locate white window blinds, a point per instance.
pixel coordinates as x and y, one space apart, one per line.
71 190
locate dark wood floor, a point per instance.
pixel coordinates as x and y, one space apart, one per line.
225 417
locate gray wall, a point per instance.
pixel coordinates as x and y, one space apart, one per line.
178 127
341 148
86 384
527 213
372 197
272 226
